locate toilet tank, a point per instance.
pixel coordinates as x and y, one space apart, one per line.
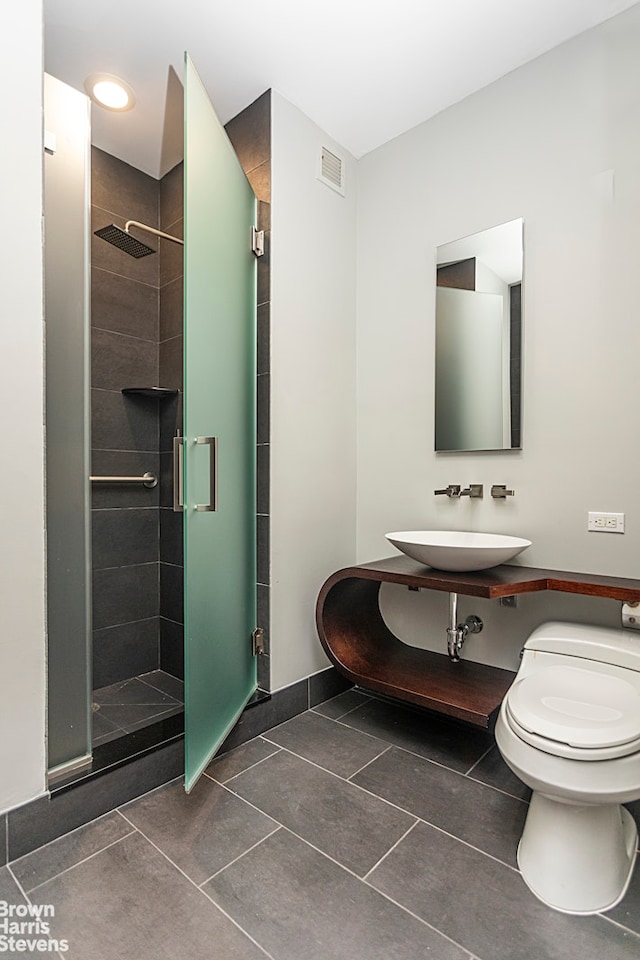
601 644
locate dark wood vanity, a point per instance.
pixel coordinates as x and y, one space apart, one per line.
363 649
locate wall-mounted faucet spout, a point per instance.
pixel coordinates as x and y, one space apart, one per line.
457 633
499 491
453 490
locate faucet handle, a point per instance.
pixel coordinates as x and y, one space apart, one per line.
453 490
499 491
474 490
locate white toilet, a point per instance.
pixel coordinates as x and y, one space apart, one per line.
569 727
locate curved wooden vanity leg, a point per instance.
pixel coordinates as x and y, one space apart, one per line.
350 626
363 649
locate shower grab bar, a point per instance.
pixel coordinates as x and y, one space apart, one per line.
148 480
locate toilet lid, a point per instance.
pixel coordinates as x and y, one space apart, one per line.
577 706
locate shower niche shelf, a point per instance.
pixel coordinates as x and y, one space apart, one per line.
155 393
363 649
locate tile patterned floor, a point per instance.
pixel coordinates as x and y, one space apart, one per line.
359 830
134 703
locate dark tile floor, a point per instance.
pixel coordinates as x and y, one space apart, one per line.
137 702
356 831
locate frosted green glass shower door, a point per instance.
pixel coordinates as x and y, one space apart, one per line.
219 432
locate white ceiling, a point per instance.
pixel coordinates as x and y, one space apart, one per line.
364 70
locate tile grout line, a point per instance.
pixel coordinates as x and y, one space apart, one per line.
135 703
385 855
471 846
412 753
125 566
157 689
297 835
241 855
370 793
102 816
161 786
353 710
616 923
381 893
239 796
485 783
480 758
172 702
256 764
323 853
418 819
375 796
348 870
137 725
365 701
351 783
195 885
236 924
497 789
338 720
138 506
144 619
365 765
28 899
420 919
129 336
438 763
91 856
18 884
122 276
389 802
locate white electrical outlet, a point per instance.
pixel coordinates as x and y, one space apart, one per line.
605 522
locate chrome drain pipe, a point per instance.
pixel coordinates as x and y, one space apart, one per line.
457 633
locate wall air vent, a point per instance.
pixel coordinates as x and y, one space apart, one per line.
331 170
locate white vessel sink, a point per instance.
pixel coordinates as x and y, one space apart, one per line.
456 550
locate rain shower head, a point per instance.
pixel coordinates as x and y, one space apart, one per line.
122 239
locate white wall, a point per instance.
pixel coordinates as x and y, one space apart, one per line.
313 442
543 143
22 629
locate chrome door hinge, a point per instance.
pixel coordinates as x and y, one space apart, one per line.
257 241
257 641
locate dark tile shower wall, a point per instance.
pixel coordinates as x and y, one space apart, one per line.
250 134
171 367
125 430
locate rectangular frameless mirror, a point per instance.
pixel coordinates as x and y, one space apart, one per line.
478 341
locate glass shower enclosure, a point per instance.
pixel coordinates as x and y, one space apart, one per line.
214 470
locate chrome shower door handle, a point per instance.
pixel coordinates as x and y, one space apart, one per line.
178 474
212 506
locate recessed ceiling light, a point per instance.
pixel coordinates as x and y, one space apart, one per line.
109 92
